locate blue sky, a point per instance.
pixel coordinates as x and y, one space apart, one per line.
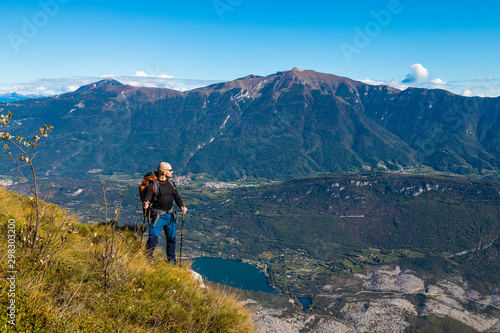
432 44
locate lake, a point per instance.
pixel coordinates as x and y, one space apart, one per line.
232 273
237 274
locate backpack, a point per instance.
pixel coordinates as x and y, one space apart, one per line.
152 177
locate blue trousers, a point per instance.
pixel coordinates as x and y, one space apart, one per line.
167 223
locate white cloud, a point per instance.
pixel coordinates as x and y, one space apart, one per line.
417 74
373 82
147 84
478 87
419 77
438 82
57 86
466 93
142 74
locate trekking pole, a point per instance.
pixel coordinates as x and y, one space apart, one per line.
143 223
182 234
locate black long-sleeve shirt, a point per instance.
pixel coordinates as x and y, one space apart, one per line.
166 196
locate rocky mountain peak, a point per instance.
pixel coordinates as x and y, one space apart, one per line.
101 84
315 80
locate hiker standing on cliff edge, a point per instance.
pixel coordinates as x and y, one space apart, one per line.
160 202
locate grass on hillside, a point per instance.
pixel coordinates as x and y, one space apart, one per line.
60 287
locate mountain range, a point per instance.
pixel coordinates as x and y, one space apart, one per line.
13 97
286 125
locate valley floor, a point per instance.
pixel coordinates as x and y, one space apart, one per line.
385 299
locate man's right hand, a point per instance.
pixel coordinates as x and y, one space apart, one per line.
145 204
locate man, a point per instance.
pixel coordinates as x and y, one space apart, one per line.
162 212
